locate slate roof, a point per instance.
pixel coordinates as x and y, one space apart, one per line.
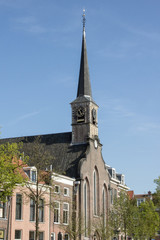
65 157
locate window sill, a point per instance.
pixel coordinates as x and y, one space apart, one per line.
3 218
96 216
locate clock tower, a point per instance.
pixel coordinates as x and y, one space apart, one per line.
84 109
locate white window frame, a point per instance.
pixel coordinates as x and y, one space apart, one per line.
33 171
52 236
55 208
2 210
122 179
66 211
139 201
29 170
67 189
113 173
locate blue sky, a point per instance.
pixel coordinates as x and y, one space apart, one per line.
39 67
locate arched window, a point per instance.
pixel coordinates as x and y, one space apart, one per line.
104 204
86 205
95 192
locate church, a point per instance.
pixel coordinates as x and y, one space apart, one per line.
77 157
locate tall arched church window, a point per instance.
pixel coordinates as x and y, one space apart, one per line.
86 206
104 204
95 192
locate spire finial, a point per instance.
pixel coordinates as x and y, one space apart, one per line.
84 19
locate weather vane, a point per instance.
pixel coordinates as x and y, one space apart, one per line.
84 19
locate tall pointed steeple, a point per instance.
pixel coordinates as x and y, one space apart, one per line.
84 109
84 85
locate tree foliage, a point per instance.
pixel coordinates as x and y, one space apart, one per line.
121 215
156 197
157 181
10 168
148 220
137 222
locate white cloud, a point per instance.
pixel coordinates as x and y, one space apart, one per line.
23 117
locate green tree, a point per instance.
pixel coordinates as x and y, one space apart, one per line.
147 220
157 181
122 216
156 196
10 168
138 222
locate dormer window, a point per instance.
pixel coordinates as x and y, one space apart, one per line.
113 173
139 201
33 176
31 173
122 180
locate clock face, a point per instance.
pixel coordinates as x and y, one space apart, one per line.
80 113
94 113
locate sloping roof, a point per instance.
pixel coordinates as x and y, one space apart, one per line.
145 195
84 85
65 158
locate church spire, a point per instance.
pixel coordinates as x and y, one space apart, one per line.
84 109
84 85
